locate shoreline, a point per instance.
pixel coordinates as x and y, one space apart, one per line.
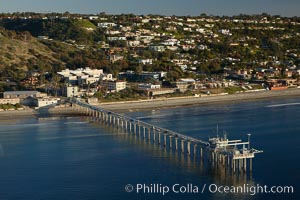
167 103
35 114
155 104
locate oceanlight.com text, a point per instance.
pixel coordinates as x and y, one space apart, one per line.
210 188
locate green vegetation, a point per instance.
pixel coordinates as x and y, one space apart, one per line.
84 24
124 95
10 106
74 41
233 90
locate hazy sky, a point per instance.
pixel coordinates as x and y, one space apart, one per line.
164 7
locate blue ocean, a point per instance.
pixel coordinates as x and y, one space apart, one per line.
78 158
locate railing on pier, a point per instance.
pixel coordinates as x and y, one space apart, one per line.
141 123
216 150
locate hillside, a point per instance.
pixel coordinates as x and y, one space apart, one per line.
25 53
20 52
251 48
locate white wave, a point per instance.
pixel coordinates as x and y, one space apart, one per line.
281 105
153 116
75 122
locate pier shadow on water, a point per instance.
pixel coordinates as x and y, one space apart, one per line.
44 111
201 167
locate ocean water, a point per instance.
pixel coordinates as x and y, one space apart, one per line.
78 158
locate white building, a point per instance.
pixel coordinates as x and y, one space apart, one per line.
111 32
200 30
157 48
12 101
202 47
114 86
82 76
93 17
106 25
21 94
171 42
133 43
146 61
70 91
148 86
121 38
45 101
225 32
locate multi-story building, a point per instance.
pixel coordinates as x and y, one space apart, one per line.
114 86
144 76
148 86
13 101
45 101
70 91
21 94
83 76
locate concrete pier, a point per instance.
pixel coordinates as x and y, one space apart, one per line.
134 128
195 150
201 153
219 151
176 144
189 147
170 142
159 138
149 134
139 130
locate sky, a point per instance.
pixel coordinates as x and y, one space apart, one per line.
164 7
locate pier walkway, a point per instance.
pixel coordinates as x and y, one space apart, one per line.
220 151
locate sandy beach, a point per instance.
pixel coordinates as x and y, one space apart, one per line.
31 113
193 101
155 104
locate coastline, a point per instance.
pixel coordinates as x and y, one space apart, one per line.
154 104
167 103
42 113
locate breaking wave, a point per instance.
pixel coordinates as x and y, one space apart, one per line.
282 105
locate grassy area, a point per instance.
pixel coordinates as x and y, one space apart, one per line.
10 106
232 90
257 87
84 24
125 95
25 54
132 95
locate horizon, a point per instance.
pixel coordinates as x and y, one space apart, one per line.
150 14
288 8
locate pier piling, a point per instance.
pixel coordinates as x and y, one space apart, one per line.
218 150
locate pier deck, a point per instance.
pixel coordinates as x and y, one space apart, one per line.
218 150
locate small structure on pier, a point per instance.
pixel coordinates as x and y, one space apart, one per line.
218 150
222 148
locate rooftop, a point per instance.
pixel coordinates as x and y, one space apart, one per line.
21 92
